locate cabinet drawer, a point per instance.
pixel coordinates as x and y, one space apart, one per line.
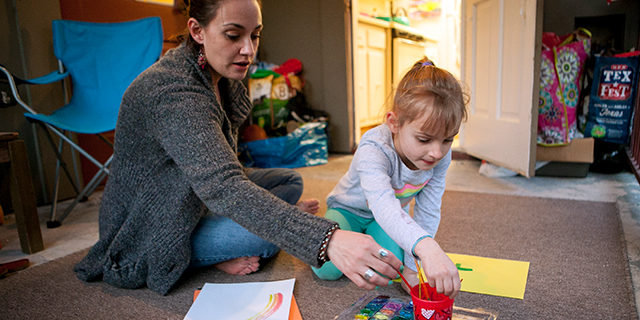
377 38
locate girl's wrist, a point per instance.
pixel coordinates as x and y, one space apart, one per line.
415 245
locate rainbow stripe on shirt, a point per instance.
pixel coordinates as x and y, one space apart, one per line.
408 192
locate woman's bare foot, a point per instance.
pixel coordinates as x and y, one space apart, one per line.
239 266
310 205
412 278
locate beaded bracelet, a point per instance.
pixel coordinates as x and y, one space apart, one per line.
322 256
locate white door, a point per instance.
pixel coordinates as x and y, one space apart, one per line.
501 59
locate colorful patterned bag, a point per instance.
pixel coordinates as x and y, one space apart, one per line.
563 61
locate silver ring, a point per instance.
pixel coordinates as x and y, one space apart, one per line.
383 253
368 274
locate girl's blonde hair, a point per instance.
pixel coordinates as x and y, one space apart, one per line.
427 88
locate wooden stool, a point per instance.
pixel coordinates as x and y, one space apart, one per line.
13 153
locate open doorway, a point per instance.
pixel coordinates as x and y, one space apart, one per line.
388 37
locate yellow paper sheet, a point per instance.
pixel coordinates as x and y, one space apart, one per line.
498 277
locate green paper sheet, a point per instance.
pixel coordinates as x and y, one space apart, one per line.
498 277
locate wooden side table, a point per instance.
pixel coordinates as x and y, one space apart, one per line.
13 153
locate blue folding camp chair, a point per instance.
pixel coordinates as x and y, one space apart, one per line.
102 60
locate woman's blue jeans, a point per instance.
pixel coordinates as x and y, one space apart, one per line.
217 238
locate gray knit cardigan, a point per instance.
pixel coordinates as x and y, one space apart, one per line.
175 156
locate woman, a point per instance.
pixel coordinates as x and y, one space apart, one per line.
175 160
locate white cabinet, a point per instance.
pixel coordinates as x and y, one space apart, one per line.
371 75
405 54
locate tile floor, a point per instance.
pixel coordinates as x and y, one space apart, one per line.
80 229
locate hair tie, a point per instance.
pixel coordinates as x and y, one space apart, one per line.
427 63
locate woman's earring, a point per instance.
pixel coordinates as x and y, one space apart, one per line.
201 61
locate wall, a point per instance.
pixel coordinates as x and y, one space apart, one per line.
374 8
314 32
30 56
173 20
35 58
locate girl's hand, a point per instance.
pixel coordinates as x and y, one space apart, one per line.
355 254
440 271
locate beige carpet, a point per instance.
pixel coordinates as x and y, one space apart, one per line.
578 267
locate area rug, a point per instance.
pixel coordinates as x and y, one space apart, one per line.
578 268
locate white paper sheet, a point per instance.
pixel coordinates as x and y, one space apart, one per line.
243 301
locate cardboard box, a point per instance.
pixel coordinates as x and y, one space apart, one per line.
572 160
579 150
563 169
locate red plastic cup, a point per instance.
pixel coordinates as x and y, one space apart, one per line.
437 306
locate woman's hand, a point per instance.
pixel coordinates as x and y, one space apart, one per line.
355 254
440 271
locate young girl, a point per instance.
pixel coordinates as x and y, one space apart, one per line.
403 159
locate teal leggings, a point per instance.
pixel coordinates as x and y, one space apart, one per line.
351 222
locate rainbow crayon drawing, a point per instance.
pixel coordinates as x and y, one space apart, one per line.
275 301
268 300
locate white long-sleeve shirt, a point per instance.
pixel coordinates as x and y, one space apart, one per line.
379 185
